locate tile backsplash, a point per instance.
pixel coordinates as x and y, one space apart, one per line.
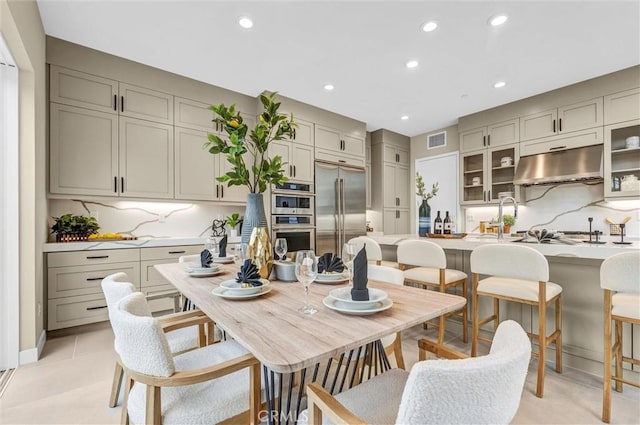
147 219
563 207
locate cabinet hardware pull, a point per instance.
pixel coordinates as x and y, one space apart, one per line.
89 279
554 126
489 195
290 171
484 196
294 171
96 308
122 184
295 133
342 161
115 102
222 191
557 147
177 252
97 257
484 140
121 103
217 191
560 124
489 140
115 184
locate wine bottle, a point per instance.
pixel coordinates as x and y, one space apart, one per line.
437 227
447 224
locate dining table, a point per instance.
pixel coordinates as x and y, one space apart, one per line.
295 348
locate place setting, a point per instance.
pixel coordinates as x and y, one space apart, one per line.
211 259
331 268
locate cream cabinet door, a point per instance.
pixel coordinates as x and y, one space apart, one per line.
538 125
389 154
622 106
353 145
83 151
402 186
282 149
193 114
138 102
304 133
389 218
403 157
146 159
580 116
367 171
402 222
471 140
194 166
504 133
302 162
237 194
85 90
328 138
389 186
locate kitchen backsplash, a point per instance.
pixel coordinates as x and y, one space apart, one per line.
563 207
147 219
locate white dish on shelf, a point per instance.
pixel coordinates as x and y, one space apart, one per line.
232 287
331 279
632 142
343 296
224 293
333 304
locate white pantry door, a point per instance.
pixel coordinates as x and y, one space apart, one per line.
441 169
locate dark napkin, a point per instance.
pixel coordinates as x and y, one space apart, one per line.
249 274
330 263
222 246
206 258
359 292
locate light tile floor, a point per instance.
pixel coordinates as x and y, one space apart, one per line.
71 384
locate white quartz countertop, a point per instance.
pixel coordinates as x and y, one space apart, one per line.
471 241
138 243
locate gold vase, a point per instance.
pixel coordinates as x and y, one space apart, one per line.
260 250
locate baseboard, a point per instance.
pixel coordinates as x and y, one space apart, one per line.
32 355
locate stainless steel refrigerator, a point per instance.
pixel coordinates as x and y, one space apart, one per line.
340 206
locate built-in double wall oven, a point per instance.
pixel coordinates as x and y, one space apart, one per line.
292 215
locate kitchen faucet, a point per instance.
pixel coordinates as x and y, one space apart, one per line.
500 218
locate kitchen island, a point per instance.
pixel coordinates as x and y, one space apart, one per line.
575 267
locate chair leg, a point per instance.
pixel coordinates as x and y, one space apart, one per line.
496 314
211 333
125 400
153 413
441 330
474 314
606 377
202 338
118 374
559 338
618 355
397 351
255 394
465 315
542 337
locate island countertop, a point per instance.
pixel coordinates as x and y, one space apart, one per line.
474 240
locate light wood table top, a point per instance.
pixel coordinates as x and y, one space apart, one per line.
283 339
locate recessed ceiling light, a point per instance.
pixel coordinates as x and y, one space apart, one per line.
245 22
404 117
499 84
498 20
328 87
429 26
412 64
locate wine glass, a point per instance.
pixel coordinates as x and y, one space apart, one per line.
281 248
239 253
349 252
306 272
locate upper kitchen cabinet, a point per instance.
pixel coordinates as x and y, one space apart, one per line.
304 133
197 170
334 145
197 116
76 88
565 119
622 106
622 160
499 134
297 154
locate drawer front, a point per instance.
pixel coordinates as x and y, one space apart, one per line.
85 258
149 276
573 140
86 280
75 311
161 304
169 252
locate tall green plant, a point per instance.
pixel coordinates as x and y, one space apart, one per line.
420 186
271 126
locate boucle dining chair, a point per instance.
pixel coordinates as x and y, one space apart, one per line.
477 390
430 270
203 386
373 249
619 279
185 331
517 274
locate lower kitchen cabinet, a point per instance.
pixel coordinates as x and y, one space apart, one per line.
395 222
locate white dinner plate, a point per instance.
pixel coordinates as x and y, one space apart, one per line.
235 288
339 306
223 260
331 279
376 296
224 293
206 273
194 268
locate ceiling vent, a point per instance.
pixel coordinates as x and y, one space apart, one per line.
437 140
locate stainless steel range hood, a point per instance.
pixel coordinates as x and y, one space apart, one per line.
568 166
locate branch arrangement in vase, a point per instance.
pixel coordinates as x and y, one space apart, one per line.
422 191
271 126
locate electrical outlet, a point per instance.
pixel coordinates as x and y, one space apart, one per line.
162 218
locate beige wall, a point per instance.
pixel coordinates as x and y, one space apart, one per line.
21 26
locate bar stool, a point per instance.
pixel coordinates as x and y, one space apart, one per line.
374 252
431 271
519 274
619 279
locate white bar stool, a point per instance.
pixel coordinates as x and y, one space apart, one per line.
431 271
374 252
619 279
519 274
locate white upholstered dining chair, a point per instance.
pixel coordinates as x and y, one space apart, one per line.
478 390
202 386
373 249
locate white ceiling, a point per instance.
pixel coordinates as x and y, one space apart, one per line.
295 47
